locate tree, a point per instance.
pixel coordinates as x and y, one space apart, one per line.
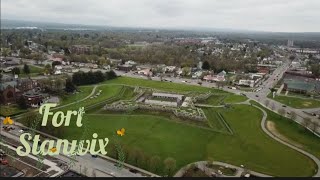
293 115
28 118
26 69
70 86
85 170
314 126
22 103
94 174
110 75
169 165
306 122
55 63
267 102
133 156
315 69
47 69
186 71
141 158
292 57
206 65
154 164
15 71
282 112
273 106
6 52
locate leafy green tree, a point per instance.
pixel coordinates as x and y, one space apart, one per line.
110 75
70 86
47 69
15 71
206 65
55 63
26 69
22 103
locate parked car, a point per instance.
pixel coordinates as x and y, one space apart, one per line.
3 161
133 170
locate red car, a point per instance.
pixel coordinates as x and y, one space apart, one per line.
3 161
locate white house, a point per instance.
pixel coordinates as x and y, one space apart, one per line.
145 72
245 82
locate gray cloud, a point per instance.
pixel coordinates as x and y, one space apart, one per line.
265 15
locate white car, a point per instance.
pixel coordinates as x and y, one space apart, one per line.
21 131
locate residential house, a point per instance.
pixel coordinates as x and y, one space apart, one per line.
145 72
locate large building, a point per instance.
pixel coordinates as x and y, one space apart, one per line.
12 90
165 99
80 49
290 43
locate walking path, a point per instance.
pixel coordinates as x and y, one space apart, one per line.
201 164
209 171
91 94
263 126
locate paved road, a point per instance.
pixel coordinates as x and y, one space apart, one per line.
202 165
100 164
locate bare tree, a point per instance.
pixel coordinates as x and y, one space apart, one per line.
85 170
282 112
170 165
306 122
154 164
94 174
273 106
267 102
293 115
314 126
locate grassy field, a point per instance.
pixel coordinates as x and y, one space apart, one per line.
187 144
10 110
214 121
298 103
164 137
216 100
84 92
34 71
295 133
167 86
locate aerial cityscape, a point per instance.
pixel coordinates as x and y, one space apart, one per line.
151 88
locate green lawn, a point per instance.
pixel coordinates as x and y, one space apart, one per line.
167 86
216 100
295 132
235 99
214 121
298 103
34 71
10 110
187 144
84 92
158 135
106 93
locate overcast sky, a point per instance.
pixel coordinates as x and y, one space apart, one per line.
263 15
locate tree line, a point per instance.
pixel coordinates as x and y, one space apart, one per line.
86 78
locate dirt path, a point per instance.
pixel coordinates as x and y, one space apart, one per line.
271 126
